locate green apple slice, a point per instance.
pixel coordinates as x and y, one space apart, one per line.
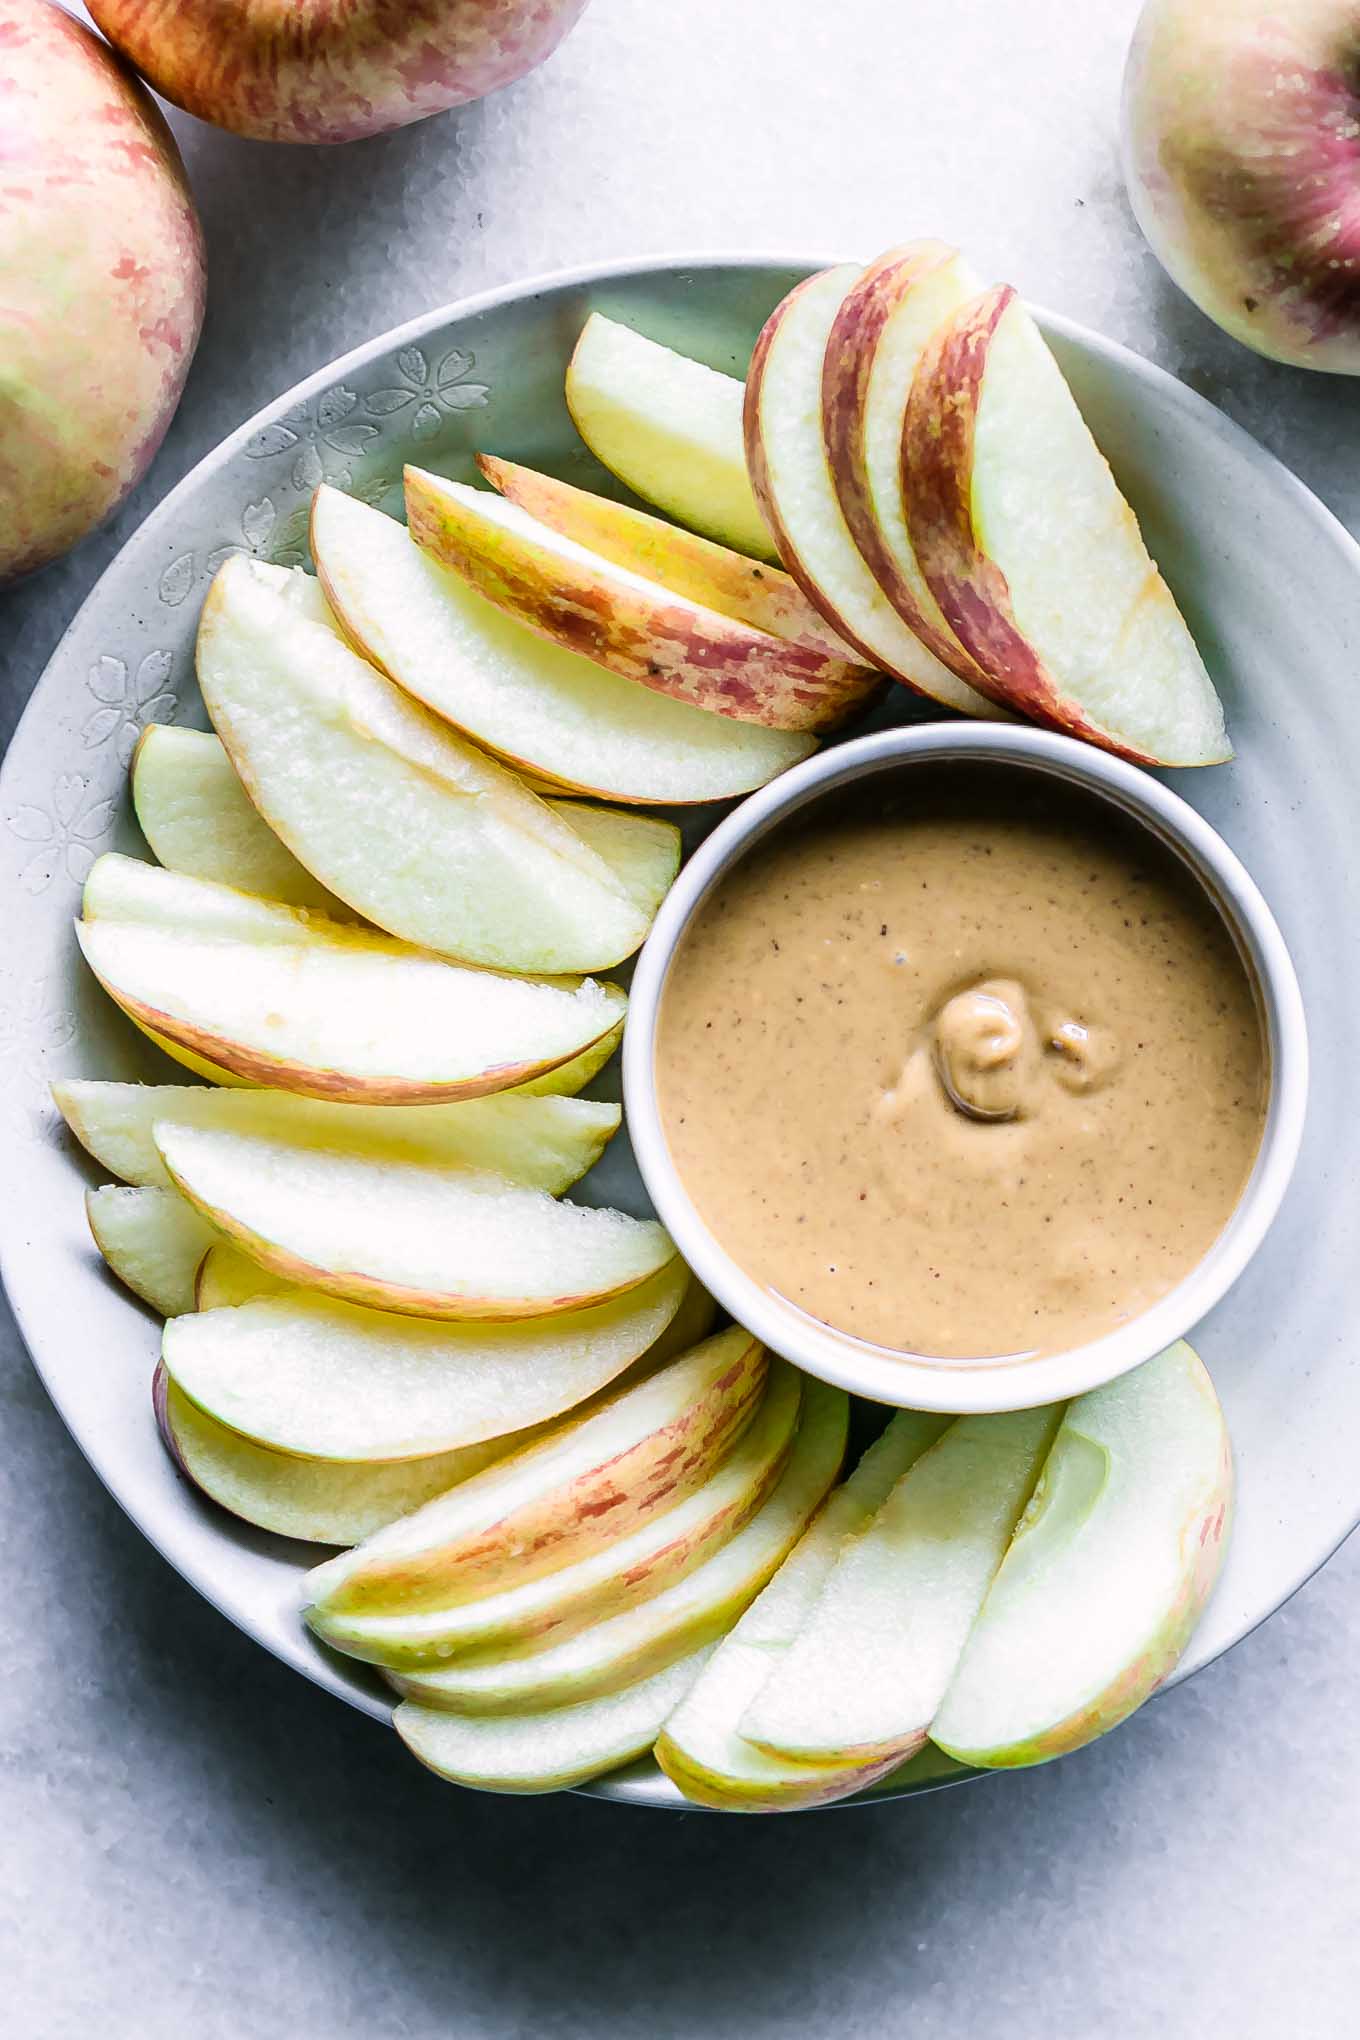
551 1750
415 828
198 819
791 473
433 1240
545 1143
282 997
670 428
676 1621
551 712
573 1493
868 1671
640 630
680 561
700 1748
152 1240
327 1380
642 851
312 1500
1108 1572
1033 554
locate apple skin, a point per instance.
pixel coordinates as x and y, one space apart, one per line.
545 1532
101 282
937 466
1242 159
1204 1540
209 1053
331 70
635 628
683 561
845 392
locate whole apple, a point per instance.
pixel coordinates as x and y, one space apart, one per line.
101 282
1242 155
331 70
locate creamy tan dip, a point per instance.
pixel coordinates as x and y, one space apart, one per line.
968 1072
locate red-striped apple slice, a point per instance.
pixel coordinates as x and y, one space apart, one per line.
700 1748
669 427
871 356
671 1624
866 1674
643 632
1108 1572
791 474
313 1500
287 999
152 1240
551 712
432 1240
1033 554
198 819
538 1615
545 1143
418 830
682 561
575 1492
327 1380
550 1750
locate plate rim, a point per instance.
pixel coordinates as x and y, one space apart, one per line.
656 1793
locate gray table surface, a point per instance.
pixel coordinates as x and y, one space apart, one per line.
196 1841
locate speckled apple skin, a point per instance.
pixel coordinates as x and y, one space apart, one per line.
101 282
331 70
1241 154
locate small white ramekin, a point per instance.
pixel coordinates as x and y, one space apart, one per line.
977 1385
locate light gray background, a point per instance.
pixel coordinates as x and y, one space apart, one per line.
196 1841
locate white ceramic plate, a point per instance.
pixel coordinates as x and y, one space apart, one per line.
1271 585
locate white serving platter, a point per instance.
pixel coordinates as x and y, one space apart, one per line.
1271 585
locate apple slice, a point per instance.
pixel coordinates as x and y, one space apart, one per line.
550 711
227 1277
792 477
550 1751
1033 554
680 561
430 1240
543 1612
412 826
700 1748
638 629
309 1499
670 428
198 819
544 1143
1108 1572
878 337
562 1082
871 1664
576 1491
679 1620
285 998
328 1380
152 1240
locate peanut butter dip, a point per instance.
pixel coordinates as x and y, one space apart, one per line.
967 1070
